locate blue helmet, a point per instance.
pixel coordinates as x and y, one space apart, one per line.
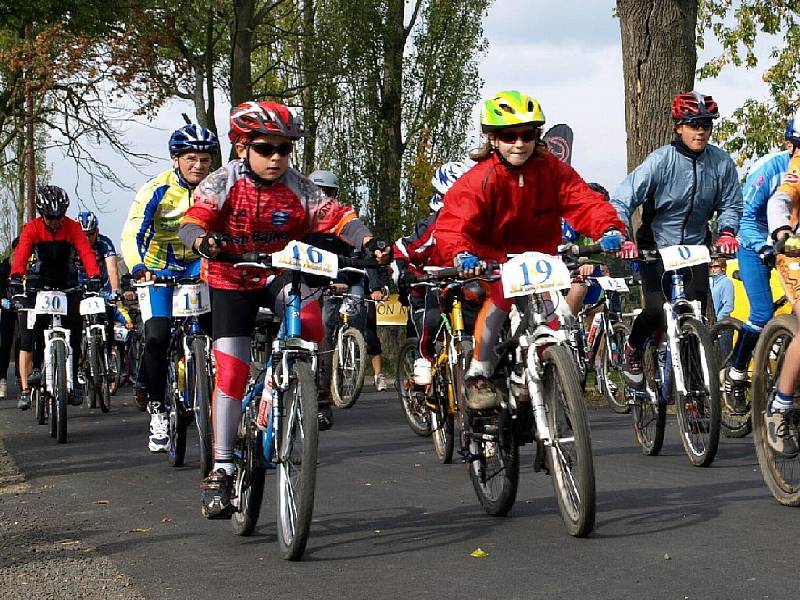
792 133
192 138
443 179
568 234
88 220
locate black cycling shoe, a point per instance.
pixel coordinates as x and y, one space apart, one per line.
324 417
216 495
76 398
24 402
735 395
35 378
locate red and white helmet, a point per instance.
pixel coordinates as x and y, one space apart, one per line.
692 106
264 118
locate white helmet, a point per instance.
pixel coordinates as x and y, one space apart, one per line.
443 179
325 179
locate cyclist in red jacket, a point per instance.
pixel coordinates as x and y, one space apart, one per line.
512 201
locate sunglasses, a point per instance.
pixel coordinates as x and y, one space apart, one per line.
716 266
705 125
267 150
510 137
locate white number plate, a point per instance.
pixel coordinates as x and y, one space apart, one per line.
298 256
93 305
678 257
51 303
534 272
613 284
121 333
190 300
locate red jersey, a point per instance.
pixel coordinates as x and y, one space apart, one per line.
493 210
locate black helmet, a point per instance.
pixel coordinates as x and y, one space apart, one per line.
51 201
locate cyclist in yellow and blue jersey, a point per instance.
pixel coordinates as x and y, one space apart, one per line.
151 247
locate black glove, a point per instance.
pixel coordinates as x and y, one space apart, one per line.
205 249
94 284
375 244
406 278
15 285
767 256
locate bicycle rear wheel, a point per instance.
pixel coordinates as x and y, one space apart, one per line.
733 425
699 411
39 403
572 465
411 400
297 462
203 385
250 473
60 390
781 474
176 415
442 421
610 379
349 365
649 408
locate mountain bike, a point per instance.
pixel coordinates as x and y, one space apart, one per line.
349 349
682 368
412 399
279 426
190 372
96 370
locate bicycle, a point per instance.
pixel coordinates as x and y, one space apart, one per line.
681 369
190 373
96 370
349 350
411 399
279 426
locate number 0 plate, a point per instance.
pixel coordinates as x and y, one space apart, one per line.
534 272
190 300
678 257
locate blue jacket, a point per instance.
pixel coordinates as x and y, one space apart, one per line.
764 178
723 296
680 193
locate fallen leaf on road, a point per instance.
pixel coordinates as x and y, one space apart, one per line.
90 549
667 557
68 542
140 530
102 502
166 520
479 553
377 531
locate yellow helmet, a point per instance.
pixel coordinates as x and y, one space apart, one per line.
509 108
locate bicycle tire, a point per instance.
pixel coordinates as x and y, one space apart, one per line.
412 403
348 370
39 403
177 419
611 370
649 409
698 415
573 475
732 425
87 355
781 474
100 376
442 421
60 383
52 418
296 487
250 474
202 404
115 364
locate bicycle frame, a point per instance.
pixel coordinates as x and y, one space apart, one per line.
677 309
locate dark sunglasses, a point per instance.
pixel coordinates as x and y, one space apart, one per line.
510 137
267 150
705 125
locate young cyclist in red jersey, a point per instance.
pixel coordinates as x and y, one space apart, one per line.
512 201
258 204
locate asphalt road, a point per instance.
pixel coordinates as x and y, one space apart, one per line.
390 521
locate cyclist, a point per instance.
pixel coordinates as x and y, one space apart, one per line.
151 247
756 257
55 238
681 186
255 203
411 255
783 213
512 202
8 320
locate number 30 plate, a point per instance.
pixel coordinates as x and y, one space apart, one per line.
534 272
51 303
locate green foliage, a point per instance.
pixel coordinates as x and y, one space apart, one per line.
756 127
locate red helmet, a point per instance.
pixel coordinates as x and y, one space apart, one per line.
691 106
264 118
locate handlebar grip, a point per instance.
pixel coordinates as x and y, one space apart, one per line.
439 274
358 263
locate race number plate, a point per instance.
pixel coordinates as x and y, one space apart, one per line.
190 300
298 256
613 284
121 333
678 257
534 272
51 303
93 305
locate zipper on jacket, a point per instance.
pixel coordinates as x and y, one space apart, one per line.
521 180
691 203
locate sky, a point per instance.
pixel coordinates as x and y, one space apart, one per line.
566 54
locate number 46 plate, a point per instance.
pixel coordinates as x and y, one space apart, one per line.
534 272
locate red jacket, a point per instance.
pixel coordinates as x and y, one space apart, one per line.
492 211
55 252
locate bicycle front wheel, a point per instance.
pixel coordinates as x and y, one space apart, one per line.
177 417
297 462
649 408
250 473
39 403
442 421
723 336
780 473
699 410
60 390
411 400
202 403
572 465
349 365
611 381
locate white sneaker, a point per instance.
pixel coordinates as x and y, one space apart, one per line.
380 382
422 372
3 387
159 432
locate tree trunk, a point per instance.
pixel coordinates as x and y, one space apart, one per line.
659 58
309 75
386 208
30 153
241 82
